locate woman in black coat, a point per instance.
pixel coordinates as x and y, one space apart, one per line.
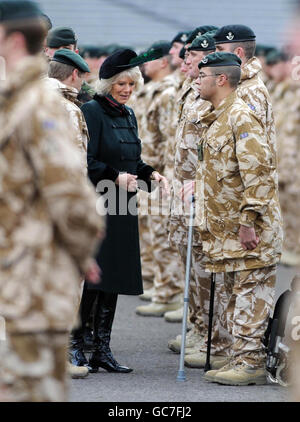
115 167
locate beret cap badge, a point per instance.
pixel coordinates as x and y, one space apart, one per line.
230 36
204 60
204 44
184 37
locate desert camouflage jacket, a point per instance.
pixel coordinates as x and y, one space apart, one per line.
236 184
255 94
76 116
287 119
47 208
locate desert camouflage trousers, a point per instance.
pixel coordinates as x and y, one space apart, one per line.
251 301
169 279
291 225
146 251
33 367
199 297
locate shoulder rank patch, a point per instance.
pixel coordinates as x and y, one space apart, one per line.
252 107
244 135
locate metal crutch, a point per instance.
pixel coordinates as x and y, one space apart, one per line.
207 366
181 371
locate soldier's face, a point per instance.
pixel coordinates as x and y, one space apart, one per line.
223 47
51 51
195 58
206 84
122 89
152 68
174 52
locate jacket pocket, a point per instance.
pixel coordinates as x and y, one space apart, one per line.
225 241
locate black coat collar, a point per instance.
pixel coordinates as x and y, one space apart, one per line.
111 106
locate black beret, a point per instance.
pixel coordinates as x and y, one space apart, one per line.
181 37
67 56
19 10
220 59
203 43
200 30
234 33
60 37
182 53
116 63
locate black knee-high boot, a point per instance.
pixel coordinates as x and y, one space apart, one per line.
76 354
103 320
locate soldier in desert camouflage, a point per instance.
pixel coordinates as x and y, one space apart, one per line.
49 223
192 108
238 214
168 276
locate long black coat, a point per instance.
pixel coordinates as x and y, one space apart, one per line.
114 147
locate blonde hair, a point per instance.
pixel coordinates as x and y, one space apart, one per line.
104 86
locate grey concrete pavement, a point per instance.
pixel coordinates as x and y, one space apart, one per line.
141 343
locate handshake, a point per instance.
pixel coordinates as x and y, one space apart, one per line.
128 182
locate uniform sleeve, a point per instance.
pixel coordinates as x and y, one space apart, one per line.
258 175
69 197
97 170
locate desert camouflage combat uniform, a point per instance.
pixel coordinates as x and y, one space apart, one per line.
191 110
48 234
255 94
286 111
168 281
76 116
237 185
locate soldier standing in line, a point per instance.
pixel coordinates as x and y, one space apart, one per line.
185 170
168 277
94 57
286 104
67 71
48 217
238 214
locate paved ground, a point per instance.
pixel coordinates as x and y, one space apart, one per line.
141 343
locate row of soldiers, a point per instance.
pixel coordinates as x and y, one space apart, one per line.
169 112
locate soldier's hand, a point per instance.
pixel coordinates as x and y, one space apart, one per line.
93 274
164 184
248 237
187 191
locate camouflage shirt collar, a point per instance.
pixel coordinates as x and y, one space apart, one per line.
251 68
209 118
29 70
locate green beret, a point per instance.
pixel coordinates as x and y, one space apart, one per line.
71 58
92 51
234 33
19 10
61 37
263 50
276 56
156 51
181 37
163 47
203 43
220 59
200 30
